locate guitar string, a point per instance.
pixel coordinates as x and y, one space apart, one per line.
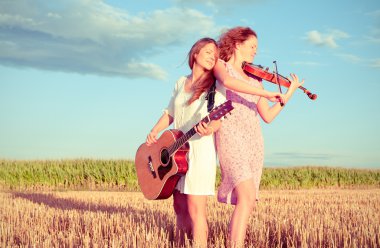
182 140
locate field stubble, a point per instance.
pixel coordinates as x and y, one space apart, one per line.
283 218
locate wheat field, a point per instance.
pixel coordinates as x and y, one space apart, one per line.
283 218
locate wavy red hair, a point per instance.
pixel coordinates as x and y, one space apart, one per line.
229 39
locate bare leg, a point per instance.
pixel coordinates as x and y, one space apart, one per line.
197 211
183 222
246 202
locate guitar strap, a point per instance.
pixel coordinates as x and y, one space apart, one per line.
211 97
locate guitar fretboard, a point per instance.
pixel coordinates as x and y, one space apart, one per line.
184 138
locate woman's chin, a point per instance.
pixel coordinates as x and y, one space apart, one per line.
209 67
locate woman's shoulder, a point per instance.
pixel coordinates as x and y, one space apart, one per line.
180 82
182 79
227 67
222 62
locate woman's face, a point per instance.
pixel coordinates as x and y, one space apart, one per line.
206 56
248 49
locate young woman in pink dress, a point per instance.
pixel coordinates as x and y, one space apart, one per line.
239 141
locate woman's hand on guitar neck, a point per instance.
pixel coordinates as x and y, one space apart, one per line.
203 129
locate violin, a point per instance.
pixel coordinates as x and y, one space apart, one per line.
273 77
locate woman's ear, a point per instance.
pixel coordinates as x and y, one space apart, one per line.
237 46
195 58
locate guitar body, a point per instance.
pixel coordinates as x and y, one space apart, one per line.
160 165
157 172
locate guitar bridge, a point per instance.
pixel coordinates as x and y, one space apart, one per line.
151 168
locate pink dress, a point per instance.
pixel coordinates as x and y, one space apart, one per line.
239 142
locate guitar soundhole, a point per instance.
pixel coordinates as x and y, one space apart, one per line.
165 157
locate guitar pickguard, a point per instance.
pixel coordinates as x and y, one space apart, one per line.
163 170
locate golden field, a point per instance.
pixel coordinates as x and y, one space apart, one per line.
283 218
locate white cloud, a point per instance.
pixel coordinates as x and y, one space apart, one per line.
354 59
307 63
308 52
297 155
216 2
219 7
89 36
296 158
374 32
375 63
350 58
375 13
374 36
328 39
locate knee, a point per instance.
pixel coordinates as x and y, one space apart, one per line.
198 219
247 201
196 211
252 203
193 211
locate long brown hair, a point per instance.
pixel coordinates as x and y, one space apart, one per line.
207 79
228 40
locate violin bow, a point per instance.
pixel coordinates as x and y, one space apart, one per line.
277 80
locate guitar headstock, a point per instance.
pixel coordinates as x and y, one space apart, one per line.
221 110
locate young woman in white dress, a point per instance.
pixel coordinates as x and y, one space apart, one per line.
186 108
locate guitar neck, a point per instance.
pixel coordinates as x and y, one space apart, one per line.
184 138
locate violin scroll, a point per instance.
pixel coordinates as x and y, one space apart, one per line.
310 95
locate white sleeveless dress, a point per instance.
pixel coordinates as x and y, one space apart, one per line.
200 177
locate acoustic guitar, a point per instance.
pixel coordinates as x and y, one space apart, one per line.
160 165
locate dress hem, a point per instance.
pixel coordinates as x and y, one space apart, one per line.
229 195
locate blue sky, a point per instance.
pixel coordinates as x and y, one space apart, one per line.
89 78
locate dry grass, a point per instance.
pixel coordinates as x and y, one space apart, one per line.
299 218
